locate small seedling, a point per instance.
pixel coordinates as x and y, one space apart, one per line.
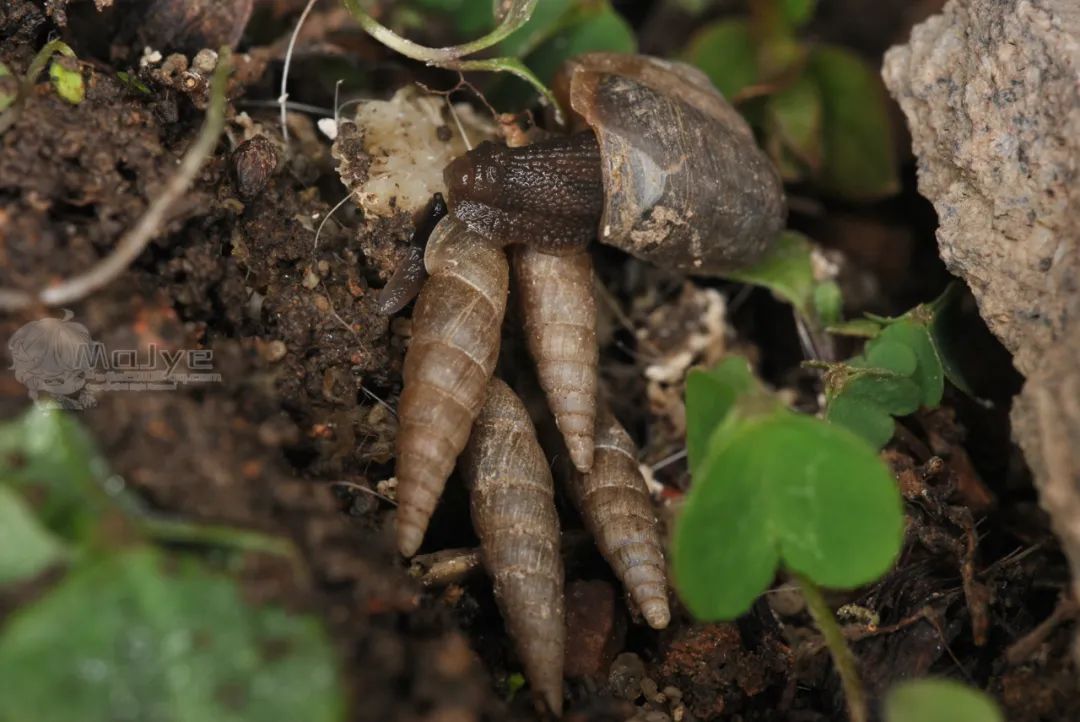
772 489
903 366
68 80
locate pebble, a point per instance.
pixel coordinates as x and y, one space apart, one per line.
254 162
625 676
592 631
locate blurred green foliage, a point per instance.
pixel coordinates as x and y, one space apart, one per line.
819 109
131 632
939 700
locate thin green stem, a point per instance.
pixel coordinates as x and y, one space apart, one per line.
838 648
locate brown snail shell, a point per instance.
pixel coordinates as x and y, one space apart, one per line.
558 311
513 509
455 344
685 185
614 503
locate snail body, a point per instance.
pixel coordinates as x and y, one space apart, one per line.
513 511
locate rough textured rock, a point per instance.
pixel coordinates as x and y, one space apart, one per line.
991 90
1046 422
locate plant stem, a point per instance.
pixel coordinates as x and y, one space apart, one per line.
838 648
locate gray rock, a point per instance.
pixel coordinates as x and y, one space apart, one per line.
991 91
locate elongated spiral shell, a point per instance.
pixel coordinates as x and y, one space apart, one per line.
513 511
455 344
559 313
614 502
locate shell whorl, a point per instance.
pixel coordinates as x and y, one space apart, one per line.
614 502
513 511
559 313
455 344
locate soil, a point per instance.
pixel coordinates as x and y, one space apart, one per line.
298 434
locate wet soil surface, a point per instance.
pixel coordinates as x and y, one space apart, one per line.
298 435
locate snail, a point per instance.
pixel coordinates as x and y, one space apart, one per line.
656 164
659 166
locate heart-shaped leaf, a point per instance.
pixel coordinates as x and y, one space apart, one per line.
781 488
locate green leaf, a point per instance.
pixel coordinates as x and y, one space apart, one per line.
548 18
928 374
26 547
132 82
858 327
469 17
939 700
828 302
68 80
797 12
861 417
710 396
48 454
859 160
726 52
786 270
129 637
794 119
884 353
944 322
783 488
864 399
595 28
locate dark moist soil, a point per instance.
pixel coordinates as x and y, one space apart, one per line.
299 432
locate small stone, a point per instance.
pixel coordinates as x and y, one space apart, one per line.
625 676
592 628
650 689
205 61
254 163
275 350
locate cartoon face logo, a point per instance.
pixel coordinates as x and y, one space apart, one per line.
51 358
